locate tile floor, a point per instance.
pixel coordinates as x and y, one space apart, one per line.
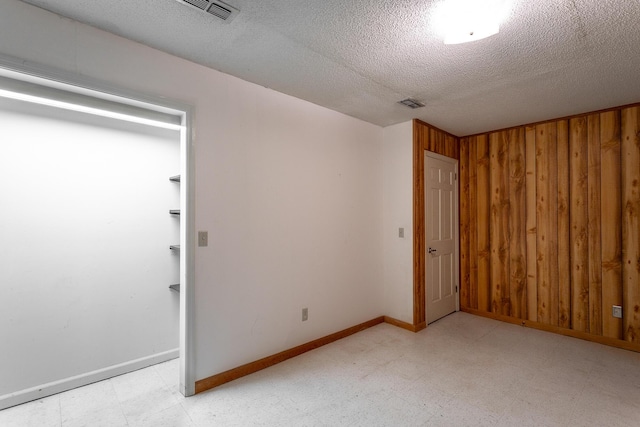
461 371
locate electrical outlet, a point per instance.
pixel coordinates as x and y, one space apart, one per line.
617 311
203 238
401 232
305 314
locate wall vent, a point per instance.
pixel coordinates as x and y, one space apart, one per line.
213 7
411 103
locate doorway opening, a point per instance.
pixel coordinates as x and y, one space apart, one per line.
86 177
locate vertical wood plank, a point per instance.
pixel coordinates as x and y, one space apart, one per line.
448 148
436 142
517 224
547 219
473 223
531 223
499 222
554 309
578 222
564 270
420 140
595 247
631 222
611 214
483 215
542 213
453 146
430 142
464 223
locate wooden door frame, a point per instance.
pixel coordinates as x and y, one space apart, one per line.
421 143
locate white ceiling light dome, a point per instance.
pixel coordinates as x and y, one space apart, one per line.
461 21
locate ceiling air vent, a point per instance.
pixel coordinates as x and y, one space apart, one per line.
214 7
411 103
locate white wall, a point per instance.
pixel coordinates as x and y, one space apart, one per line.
398 213
289 192
85 243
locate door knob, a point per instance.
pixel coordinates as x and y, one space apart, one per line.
431 250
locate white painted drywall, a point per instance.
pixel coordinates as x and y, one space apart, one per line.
398 213
290 192
85 235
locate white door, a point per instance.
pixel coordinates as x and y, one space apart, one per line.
441 229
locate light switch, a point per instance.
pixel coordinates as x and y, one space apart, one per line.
401 232
203 238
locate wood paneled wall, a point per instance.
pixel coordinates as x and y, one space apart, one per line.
550 223
436 140
425 138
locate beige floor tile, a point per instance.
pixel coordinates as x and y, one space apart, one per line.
42 412
461 371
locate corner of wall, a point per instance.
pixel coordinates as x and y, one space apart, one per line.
397 218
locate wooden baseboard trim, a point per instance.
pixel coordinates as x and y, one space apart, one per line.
405 325
258 365
556 329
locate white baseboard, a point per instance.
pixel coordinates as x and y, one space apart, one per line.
59 386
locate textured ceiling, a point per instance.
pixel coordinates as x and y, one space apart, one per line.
552 58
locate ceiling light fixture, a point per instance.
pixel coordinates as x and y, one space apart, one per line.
462 21
411 103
